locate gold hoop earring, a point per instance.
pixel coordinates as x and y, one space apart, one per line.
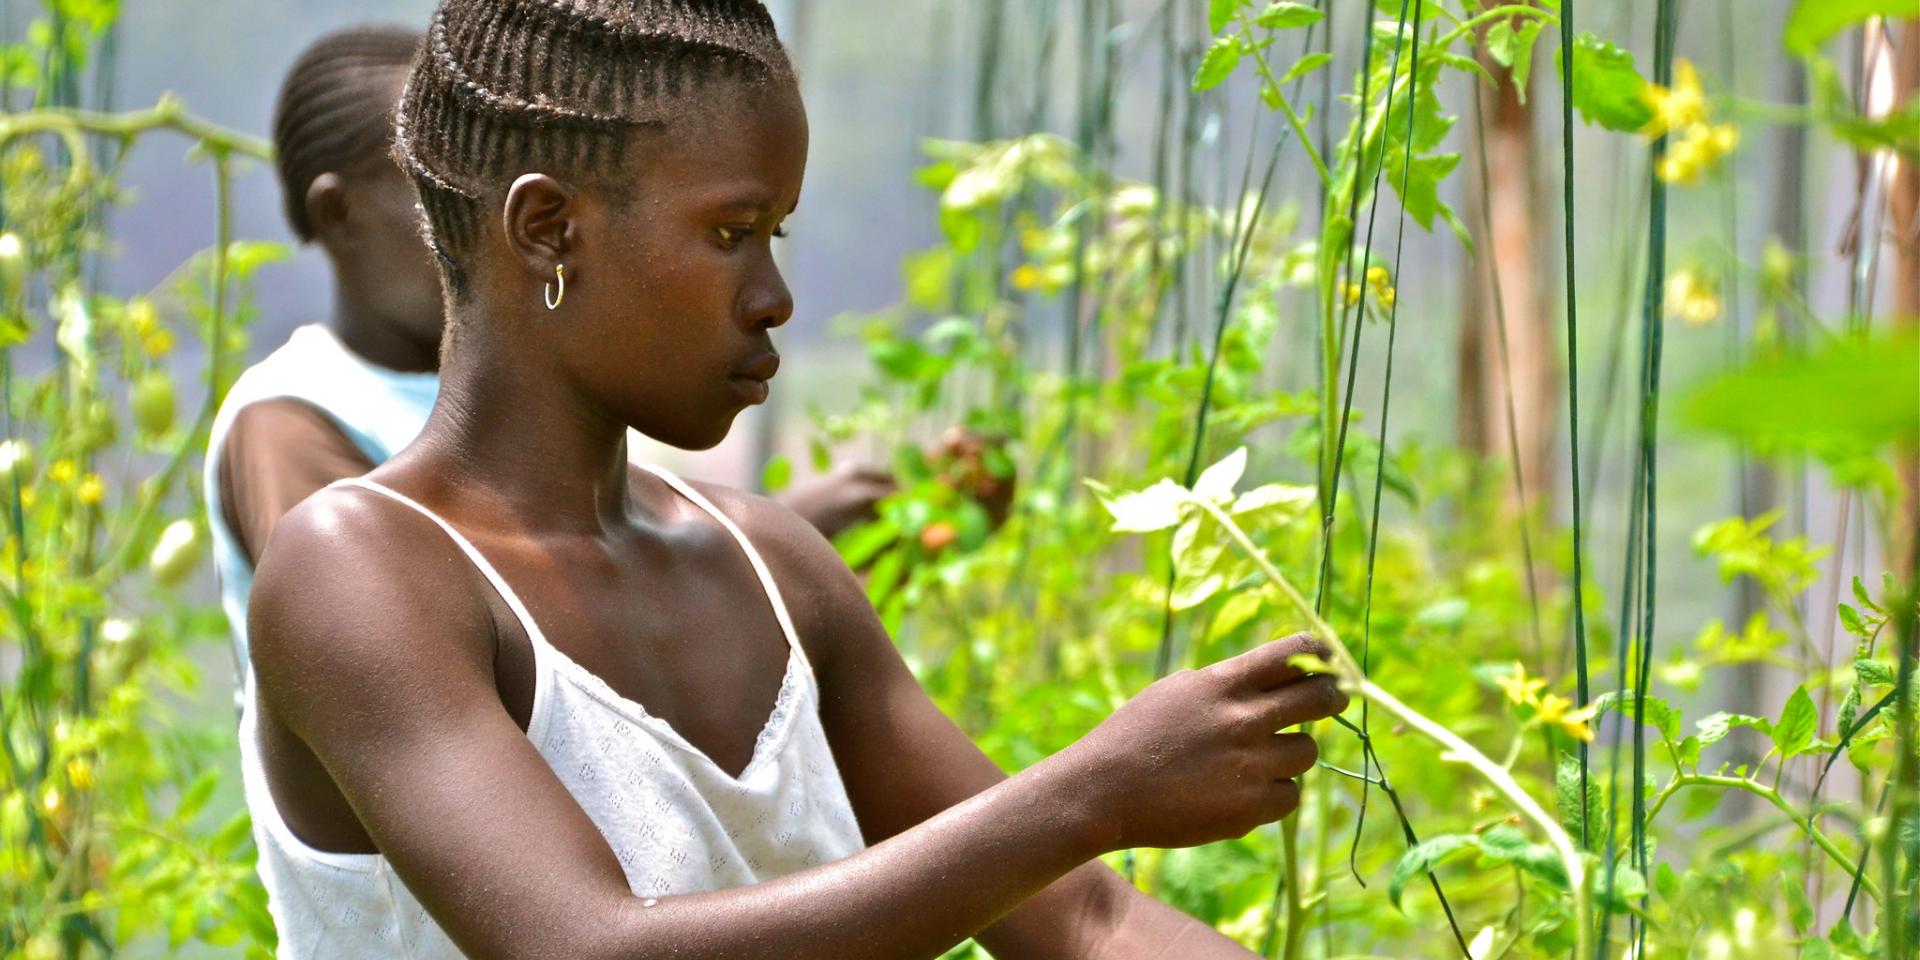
554 301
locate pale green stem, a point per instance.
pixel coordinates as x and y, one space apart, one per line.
1280 98
1458 749
1779 802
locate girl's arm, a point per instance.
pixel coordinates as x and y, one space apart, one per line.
905 761
392 689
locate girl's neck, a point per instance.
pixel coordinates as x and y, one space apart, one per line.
515 435
367 328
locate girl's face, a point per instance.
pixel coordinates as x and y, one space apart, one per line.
672 290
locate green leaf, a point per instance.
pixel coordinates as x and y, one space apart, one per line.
1237 612
1874 673
778 474
1850 619
1857 393
1799 908
1422 859
1606 87
1866 601
1523 55
1290 500
1814 22
1306 65
1287 16
1218 64
1566 784
1221 12
1797 724
1715 727
1653 710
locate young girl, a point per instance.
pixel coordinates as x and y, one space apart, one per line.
513 701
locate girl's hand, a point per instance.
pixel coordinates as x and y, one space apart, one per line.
1197 758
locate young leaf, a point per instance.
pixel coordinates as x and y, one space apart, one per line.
1221 12
1860 594
1306 65
1286 16
1218 64
1566 784
1715 727
1653 710
1798 721
1874 673
1606 87
1422 859
1850 619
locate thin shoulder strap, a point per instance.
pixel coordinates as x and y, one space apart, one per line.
746 546
466 546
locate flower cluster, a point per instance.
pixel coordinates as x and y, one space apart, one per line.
1549 709
1681 112
1693 296
1378 283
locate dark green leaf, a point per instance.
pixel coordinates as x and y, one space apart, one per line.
1566 783
1423 858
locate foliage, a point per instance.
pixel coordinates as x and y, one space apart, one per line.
104 795
1051 315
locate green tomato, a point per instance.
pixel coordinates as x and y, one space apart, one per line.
153 403
175 553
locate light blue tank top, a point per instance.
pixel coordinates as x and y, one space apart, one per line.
380 410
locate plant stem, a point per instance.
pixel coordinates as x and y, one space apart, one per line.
1456 748
1768 794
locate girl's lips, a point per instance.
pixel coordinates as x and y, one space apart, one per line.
761 368
750 389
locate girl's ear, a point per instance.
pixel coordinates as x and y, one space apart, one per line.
326 204
541 220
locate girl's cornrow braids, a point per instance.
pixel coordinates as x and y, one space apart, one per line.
504 86
449 67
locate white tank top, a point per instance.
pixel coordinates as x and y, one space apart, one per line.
678 823
380 410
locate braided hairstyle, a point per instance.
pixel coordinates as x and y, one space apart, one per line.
506 87
334 112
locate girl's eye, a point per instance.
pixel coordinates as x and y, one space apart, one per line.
732 235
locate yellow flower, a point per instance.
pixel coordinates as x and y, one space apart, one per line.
1350 294
141 318
1026 277
92 489
29 497
1693 297
1554 712
1682 106
158 342
1521 688
63 471
80 774
1377 277
1386 298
